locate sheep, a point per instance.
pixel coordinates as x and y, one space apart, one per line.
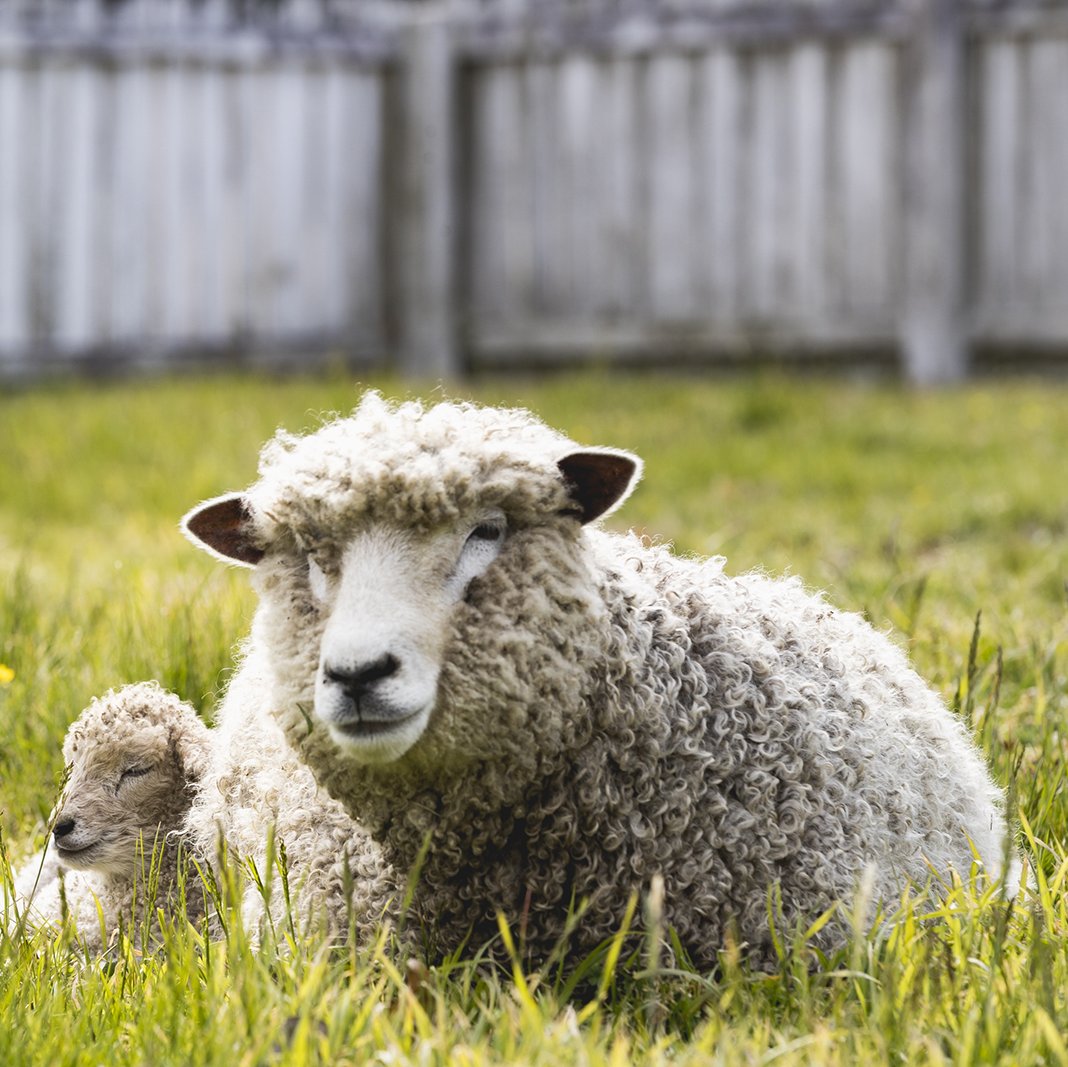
531 717
133 757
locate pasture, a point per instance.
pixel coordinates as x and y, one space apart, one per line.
942 516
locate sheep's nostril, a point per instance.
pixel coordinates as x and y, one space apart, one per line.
356 681
61 829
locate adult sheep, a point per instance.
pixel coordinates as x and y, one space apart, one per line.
133 757
535 713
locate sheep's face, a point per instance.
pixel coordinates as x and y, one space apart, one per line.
395 562
117 795
387 597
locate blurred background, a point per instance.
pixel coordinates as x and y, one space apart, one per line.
438 186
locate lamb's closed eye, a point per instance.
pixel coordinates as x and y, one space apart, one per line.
133 773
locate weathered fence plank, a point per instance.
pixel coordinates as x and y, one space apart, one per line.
672 213
933 325
15 279
723 176
426 219
809 120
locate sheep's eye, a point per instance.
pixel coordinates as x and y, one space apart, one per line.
488 531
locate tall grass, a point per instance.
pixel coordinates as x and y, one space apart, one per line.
941 516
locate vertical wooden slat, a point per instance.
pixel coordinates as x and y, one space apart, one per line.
579 167
340 120
362 225
14 260
237 103
174 267
999 162
313 247
810 122
76 259
541 86
517 252
932 319
131 217
427 223
620 243
1057 105
486 198
672 212
286 166
47 128
763 217
1042 195
868 210
210 121
192 194
258 108
723 162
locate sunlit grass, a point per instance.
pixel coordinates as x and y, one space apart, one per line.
925 511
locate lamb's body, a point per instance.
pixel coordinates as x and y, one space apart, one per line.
134 756
602 711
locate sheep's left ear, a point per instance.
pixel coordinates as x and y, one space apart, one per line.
223 527
599 479
193 755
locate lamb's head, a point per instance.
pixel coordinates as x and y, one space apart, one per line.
132 758
393 551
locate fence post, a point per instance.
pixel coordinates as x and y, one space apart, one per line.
934 329
426 214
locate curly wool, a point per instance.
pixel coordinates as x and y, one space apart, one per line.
606 711
258 799
135 867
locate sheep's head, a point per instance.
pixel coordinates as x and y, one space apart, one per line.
375 541
132 756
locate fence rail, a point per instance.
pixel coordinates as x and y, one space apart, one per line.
445 184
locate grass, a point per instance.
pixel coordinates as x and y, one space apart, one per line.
921 510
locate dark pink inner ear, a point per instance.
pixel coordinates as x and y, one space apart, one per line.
598 480
224 526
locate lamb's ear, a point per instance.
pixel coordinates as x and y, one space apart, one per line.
223 527
195 762
193 755
599 479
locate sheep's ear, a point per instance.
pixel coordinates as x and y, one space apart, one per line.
599 479
193 758
223 527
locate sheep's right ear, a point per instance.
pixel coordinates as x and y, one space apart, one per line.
223 528
599 479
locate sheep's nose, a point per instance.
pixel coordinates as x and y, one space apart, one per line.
61 829
359 680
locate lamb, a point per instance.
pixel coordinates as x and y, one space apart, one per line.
133 756
524 713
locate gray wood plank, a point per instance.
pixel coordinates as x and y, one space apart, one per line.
999 167
809 116
129 224
14 234
672 198
723 164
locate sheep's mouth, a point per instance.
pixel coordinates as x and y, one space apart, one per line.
378 740
77 857
363 729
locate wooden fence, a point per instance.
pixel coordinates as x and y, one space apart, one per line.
443 187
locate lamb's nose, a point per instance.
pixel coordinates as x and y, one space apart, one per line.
358 680
61 829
